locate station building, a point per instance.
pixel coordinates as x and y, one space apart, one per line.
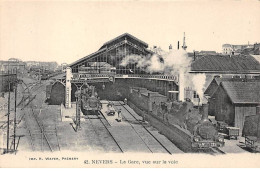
110 55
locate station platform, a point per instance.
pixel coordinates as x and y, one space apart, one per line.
145 137
234 146
69 114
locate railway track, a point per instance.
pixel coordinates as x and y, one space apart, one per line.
98 130
29 86
143 126
217 151
42 138
212 151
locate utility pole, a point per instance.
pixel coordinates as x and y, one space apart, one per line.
15 96
8 114
78 101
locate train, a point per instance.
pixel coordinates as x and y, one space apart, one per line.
182 119
204 133
90 102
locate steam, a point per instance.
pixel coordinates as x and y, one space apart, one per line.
171 62
199 81
174 62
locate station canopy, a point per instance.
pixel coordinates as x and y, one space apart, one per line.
112 53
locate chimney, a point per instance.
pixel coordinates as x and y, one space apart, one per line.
170 47
205 112
178 46
258 123
194 55
181 86
184 47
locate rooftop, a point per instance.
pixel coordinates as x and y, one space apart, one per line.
213 86
226 63
243 92
125 35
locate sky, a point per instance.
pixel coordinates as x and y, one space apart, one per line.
65 31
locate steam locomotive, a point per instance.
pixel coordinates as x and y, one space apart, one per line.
182 118
90 103
205 134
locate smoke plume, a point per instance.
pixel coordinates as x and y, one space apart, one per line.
174 62
199 81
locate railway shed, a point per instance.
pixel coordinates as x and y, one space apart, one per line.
111 55
233 100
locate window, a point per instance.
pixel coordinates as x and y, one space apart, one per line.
236 76
195 95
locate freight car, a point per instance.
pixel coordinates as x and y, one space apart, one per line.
90 103
251 131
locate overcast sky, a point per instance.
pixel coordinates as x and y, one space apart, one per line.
67 31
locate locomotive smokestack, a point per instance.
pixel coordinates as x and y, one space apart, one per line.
258 123
170 47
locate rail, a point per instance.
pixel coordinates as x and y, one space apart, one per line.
145 128
110 134
135 130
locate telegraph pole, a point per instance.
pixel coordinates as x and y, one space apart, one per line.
8 114
15 96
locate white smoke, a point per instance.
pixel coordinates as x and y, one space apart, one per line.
174 62
199 81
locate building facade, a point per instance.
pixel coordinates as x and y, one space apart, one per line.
229 49
13 65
